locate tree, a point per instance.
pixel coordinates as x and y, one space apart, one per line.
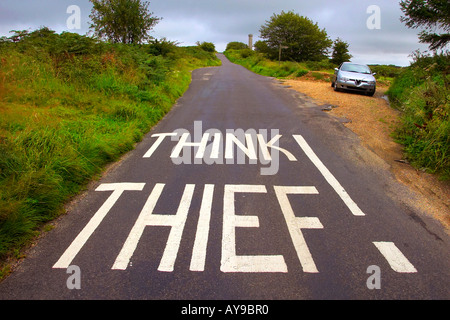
431 15
262 47
300 38
19 35
125 21
340 52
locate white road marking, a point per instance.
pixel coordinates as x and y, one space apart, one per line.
207 76
201 237
158 141
135 234
295 224
230 262
182 143
177 223
395 258
271 144
216 146
148 218
250 150
117 188
329 177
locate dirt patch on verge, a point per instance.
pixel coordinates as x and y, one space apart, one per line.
373 120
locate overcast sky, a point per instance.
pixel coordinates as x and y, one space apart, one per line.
223 21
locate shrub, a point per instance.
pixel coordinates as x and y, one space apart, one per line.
207 46
162 47
389 71
320 65
246 53
236 46
301 73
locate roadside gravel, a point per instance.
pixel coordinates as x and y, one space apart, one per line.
373 120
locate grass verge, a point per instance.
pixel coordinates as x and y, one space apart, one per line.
69 105
314 70
422 93
257 63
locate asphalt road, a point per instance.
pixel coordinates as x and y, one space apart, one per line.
272 198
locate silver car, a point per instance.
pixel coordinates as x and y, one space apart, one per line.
355 77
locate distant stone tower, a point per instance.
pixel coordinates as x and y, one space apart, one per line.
250 41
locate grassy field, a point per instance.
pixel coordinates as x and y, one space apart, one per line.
69 105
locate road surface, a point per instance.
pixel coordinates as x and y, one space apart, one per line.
245 190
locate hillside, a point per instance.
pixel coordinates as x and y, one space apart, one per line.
69 105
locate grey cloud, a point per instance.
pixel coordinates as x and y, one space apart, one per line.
222 21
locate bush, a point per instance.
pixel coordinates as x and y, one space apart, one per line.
162 47
155 68
320 65
301 73
236 46
245 53
207 46
389 71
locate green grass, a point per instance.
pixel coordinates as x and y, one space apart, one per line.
422 93
318 70
257 63
70 105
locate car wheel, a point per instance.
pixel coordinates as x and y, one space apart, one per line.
336 87
371 93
